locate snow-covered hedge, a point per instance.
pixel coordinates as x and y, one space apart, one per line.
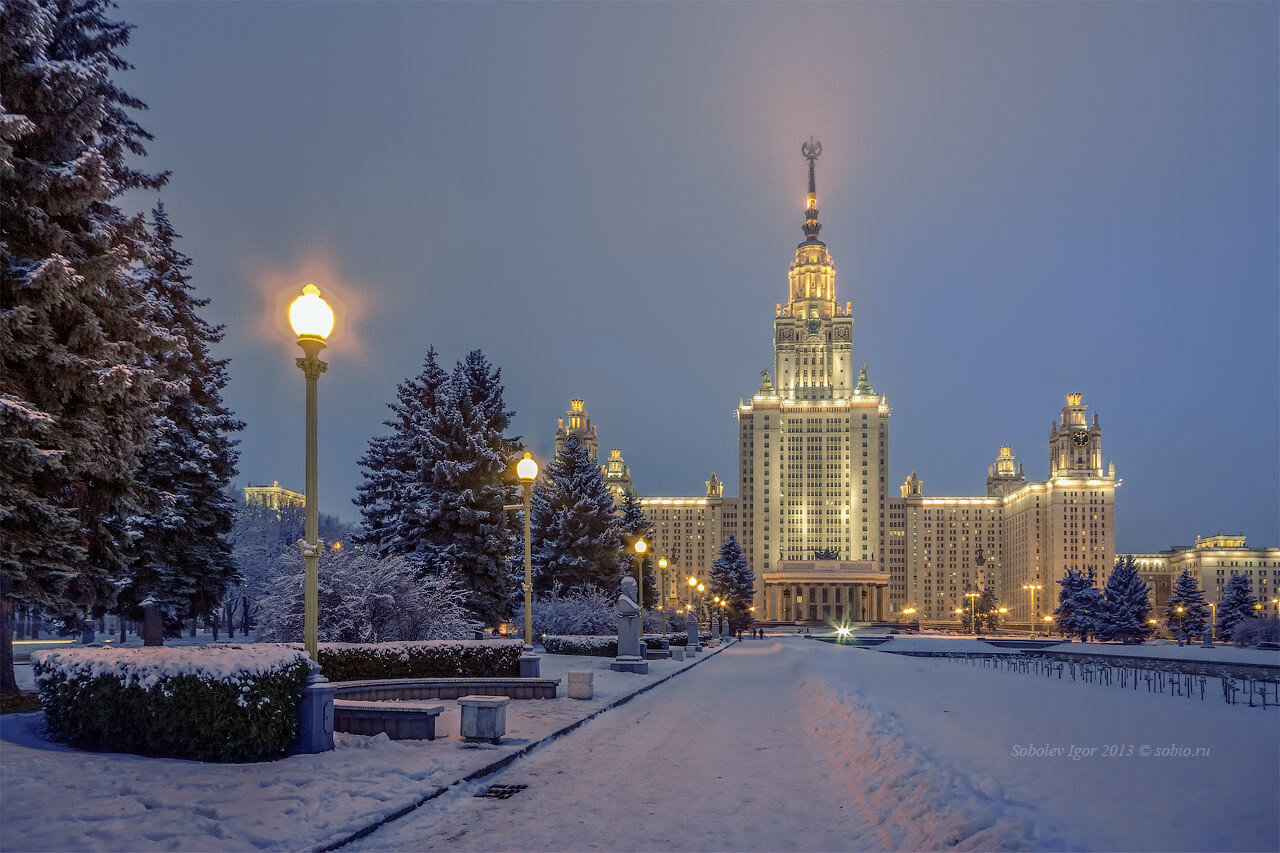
600 646
605 645
209 703
421 659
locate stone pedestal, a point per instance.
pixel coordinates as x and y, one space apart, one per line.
580 683
484 718
677 653
315 717
692 631
530 665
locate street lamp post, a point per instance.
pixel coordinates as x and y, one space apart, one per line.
973 610
641 547
1032 587
312 321
662 590
527 471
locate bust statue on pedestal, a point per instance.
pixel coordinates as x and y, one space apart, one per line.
629 628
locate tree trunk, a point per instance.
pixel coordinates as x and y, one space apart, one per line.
123 623
8 681
244 626
213 623
193 626
152 626
22 622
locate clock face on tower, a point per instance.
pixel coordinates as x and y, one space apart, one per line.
1080 437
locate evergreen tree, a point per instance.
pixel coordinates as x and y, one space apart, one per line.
1236 605
396 469
471 476
733 580
1127 605
434 489
988 610
1188 595
636 525
1080 604
77 394
576 536
180 557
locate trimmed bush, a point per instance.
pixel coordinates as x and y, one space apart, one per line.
605 647
421 659
209 703
654 641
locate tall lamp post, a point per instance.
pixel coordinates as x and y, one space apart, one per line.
662 590
973 610
312 321
1032 587
527 471
641 547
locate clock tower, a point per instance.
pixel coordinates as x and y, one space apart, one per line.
1075 445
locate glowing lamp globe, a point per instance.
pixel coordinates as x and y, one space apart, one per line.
311 316
693 581
527 468
662 562
641 546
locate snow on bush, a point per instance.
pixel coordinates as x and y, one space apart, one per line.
364 599
580 611
422 659
1251 631
599 646
210 703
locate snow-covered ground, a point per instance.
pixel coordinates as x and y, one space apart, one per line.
54 798
777 744
798 745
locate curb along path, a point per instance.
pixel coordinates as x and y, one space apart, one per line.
507 760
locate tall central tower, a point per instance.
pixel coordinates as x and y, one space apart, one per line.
813 334
813 447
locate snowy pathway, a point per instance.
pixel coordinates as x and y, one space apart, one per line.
753 752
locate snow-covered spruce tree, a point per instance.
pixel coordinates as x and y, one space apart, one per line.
396 469
1188 595
636 525
1127 605
76 392
366 599
1236 605
472 468
1080 604
576 536
733 580
988 610
180 552
434 489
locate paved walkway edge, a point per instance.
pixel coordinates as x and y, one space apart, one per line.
507 760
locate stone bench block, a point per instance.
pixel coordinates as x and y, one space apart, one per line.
580 683
484 718
399 720
446 688
677 653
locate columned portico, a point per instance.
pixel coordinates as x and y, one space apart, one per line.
825 591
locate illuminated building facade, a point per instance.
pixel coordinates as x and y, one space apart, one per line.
274 496
688 532
813 444
1019 534
1211 561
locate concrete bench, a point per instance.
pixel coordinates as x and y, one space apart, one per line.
484 718
446 688
400 720
656 654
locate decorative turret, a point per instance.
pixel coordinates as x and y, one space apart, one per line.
1005 474
864 387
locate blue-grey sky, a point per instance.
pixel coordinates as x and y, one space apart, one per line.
1022 200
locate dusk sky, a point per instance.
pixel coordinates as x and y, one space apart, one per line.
1022 200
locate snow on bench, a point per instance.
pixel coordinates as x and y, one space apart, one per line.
400 720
